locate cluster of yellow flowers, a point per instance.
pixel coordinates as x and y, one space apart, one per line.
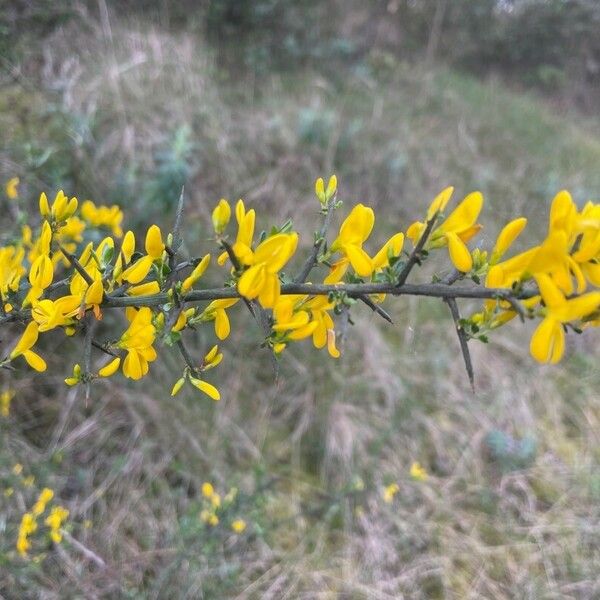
417 473
57 276
54 521
213 506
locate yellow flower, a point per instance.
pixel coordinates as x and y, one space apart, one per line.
261 279
324 195
11 188
457 229
24 345
40 506
212 358
17 469
221 215
239 525
75 377
103 216
154 249
137 340
198 271
354 231
215 311
5 397
62 208
242 246
389 492
548 340
417 472
55 520
207 489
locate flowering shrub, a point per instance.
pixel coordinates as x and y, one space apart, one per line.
53 276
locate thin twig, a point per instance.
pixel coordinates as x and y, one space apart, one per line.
375 308
89 554
462 338
90 326
186 355
232 257
311 261
415 255
77 265
102 348
353 290
177 239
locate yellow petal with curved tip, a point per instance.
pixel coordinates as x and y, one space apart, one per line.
44 206
459 253
553 297
221 215
439 202
359 259
338 270
110 369
356 228
331 348
548 341
320 190
41 272
580 307
27 340
393 246
35 361
222 327
269 294
304 331
132 366
178 385
252 281
210 390
276 250
154 243
510 232
138 270
464 215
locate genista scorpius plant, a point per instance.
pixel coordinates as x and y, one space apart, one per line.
52 278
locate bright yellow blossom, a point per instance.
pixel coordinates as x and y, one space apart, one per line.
261 279
238 526
417 472
103 216
62 208
548 340
137 341
216 311
198 271
324 195
221 215
11 188
207 489
243 243
389 492
24 345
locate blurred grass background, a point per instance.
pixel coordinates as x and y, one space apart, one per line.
125 102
